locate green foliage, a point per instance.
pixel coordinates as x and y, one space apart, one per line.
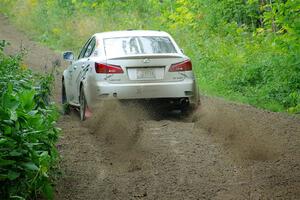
244 50
27 131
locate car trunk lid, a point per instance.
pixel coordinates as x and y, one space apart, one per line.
146 68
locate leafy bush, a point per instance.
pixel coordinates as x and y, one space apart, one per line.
27 131
243 50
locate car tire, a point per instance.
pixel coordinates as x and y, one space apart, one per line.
185 110
194 106
197 102
65 106
83 105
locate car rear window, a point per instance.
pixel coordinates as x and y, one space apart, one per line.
123 46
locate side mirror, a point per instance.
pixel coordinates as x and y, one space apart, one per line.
182 51
68 56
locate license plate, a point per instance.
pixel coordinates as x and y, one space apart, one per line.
145 73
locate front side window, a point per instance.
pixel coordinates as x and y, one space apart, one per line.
123 46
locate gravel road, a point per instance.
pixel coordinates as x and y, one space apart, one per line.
224 151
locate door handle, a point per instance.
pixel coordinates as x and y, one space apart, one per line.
75 67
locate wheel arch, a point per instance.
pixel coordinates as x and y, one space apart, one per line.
81 86
64 94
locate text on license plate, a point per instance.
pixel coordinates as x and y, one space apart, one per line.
145 73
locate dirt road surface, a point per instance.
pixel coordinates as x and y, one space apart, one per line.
225 151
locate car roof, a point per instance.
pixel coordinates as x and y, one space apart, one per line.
131 33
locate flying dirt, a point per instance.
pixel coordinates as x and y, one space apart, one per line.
135 151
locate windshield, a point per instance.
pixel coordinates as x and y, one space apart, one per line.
123 46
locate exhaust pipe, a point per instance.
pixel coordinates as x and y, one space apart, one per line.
184 101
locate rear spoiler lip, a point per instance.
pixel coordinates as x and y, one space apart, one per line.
144 56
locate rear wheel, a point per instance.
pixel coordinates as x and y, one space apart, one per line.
197 101
197 95
83 105
65 106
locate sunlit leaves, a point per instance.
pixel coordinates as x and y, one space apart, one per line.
27 132
246 49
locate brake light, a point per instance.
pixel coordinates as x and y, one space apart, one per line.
182 66
108 69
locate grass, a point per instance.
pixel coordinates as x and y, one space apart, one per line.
233 61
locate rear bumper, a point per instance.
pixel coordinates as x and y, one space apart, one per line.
180 89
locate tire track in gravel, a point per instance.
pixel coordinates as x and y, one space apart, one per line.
227 151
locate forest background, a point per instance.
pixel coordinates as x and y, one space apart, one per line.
242 50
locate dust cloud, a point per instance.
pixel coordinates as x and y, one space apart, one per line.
117 123
240 135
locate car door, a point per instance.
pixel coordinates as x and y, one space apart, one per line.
72 70
81 65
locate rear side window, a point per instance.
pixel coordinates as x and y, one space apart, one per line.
88 48
82 52
123 46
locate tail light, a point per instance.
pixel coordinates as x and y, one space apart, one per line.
108 69
182 66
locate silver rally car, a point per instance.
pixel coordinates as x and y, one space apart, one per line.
133 64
